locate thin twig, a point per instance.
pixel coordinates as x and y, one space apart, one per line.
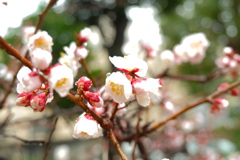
114 112
47 148
142 150
8 91
78 101
12 51
24 140
193 78
43 14
117 145
136 138
84 64
201 101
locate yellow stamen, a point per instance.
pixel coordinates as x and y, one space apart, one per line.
117 89
61 82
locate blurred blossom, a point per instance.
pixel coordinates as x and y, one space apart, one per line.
144 89
62 152
138 34
167 56
192 48
27 32
69 59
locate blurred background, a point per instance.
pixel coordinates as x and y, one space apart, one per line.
123 27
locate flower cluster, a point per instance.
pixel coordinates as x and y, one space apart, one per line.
123 87
85 125
36 85
230 61
191 49
74 53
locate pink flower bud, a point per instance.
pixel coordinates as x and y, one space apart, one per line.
84 35
234 92
222 102
23 99
38 102
84 83
94 99
81 53
97 110
223 86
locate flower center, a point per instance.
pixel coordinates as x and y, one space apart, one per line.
61 82
117 88
39 42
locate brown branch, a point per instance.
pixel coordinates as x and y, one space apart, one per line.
12 51
47 148
8 91
24 140
136 138
193 78
142 150
43 14
84 64
117 145
201 101
78 101
114 111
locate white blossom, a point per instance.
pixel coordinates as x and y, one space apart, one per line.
167 56
40 40
130 64
41 59
144 89
28 80
27 32
192 48
87 127
118 87
61 79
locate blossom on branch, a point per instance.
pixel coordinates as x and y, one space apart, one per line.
38 102
28 80
27 32
130 65
94 99
192 47
84 36
87 127
118 87
144 89
40 40
219 104
84 83
60 79
41 59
